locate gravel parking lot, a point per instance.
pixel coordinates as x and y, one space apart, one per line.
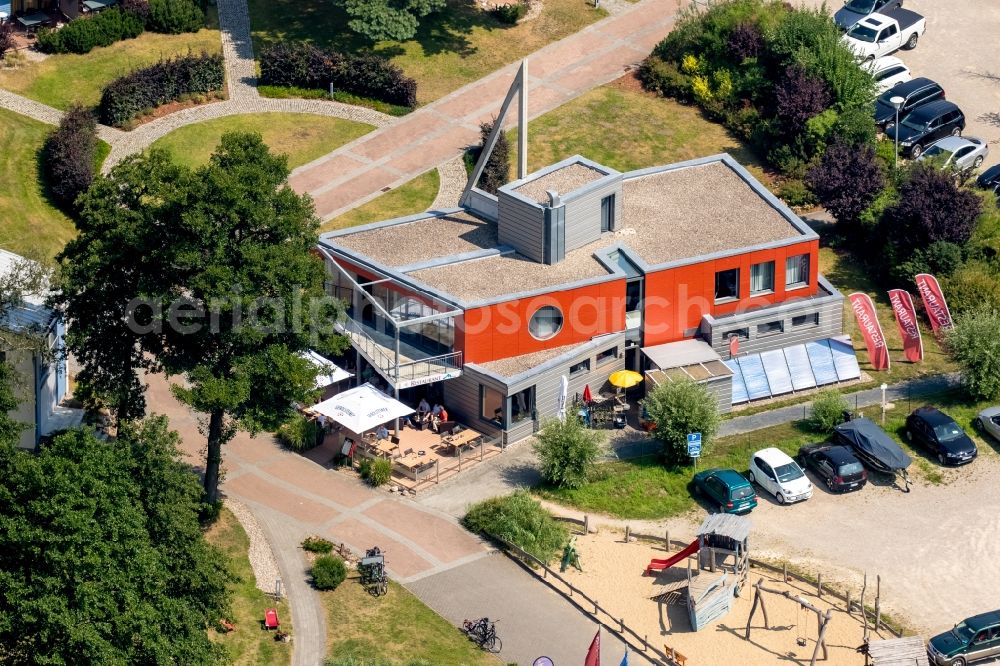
959 51
937 547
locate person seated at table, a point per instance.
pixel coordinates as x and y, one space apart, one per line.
382 432
423 410
438 416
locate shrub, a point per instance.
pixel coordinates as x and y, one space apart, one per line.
941 259
6 37
69 155
328 572
306 66
143 89
795 193
173 17
315 544
377 472
85 34
847 180
798 97
496 172
828 409
745 41
567 451
510 14
388 19
931 208
520 520
680 408
975 346
665 78
299 433
139 8
976 285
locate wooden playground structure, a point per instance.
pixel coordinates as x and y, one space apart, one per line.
723 556
823 618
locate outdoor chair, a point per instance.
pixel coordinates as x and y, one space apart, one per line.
394 440
407 452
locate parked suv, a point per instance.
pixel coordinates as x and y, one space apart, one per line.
915 92
939 433
779 475
835 465
925 125
974 639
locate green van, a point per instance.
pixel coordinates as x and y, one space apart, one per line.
726 488
975 639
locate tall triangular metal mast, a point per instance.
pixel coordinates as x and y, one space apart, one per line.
519 87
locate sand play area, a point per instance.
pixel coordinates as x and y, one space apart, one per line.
612 575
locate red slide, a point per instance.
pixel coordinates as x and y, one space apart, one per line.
660 565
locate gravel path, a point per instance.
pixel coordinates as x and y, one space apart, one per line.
452 181
265 567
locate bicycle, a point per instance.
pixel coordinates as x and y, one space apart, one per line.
483 632
372 571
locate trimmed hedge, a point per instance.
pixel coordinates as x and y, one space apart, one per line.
70 154
144 89
84 34
112 25
172 17
297 64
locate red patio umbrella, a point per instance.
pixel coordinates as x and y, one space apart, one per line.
586 393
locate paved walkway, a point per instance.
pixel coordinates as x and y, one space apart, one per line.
361 170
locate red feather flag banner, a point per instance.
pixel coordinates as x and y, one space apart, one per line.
864 312
594 653
934 303
906 320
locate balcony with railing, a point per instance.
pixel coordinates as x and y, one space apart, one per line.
412 366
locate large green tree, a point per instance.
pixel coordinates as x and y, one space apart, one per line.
974 345
679 408
388 19
567 450
102 558
205 274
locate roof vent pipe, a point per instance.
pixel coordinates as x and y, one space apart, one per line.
554 199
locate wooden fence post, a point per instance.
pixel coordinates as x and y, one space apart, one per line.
628 533
848 602
595 606
819 585
878 601
460 459
437 471
784 570
666 540
586 524
480 450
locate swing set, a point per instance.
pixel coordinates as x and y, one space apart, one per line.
804 607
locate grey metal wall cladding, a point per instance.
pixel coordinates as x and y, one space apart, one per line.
831 313
483 203
722 389
583 214
521 226
461 398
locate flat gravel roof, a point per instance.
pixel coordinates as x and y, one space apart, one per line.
515 365
561 181
422 240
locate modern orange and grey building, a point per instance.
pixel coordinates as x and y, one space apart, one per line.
578 270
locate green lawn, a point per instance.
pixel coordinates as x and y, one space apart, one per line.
626 128
248 644
29 223
396 627
413 197
60 80
457 46
301 136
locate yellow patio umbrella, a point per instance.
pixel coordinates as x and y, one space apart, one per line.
625 379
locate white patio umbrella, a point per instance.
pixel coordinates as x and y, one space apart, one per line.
362 408
329 373
563 395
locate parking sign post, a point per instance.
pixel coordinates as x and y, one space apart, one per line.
694 447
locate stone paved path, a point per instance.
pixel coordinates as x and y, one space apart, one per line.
359 171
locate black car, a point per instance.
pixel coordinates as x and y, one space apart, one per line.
990 179
835 465
925 125
915 92
941 435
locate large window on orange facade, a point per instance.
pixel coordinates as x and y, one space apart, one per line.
762 278
797 271
727 285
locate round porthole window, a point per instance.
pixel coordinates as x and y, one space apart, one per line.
545 323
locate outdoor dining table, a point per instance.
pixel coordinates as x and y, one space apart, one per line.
462 439
413 460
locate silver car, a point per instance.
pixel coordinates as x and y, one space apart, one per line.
988 421
957 152
855 10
